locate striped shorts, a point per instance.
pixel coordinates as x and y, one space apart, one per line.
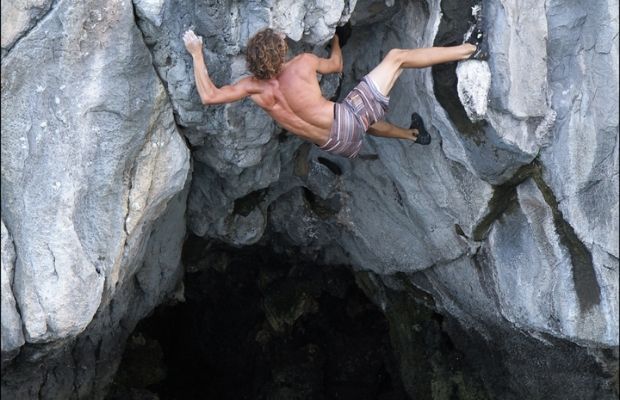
362 107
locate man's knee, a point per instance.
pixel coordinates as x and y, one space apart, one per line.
394 56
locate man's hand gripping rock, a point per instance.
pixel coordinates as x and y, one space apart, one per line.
193 43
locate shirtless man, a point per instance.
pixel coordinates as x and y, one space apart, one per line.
289 90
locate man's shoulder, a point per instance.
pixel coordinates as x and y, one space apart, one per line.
304 57
302 62
252 84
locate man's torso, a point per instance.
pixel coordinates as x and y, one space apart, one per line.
294 100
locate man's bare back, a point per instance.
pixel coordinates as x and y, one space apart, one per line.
294 100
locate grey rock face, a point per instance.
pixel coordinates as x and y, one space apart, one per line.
540 281
83 367
582 158
78 229
509 218
400 207
91 157
511 253
18 16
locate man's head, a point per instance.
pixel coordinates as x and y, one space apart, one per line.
266 53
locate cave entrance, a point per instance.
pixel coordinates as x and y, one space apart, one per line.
257 326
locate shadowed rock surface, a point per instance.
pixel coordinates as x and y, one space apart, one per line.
509 223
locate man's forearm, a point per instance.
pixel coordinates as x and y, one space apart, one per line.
204 85
336 55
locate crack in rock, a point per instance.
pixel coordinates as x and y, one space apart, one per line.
504 197
584 275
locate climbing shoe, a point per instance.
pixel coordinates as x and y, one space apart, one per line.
475 35
424 137
477 39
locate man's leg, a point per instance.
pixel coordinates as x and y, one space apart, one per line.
385 129
387 72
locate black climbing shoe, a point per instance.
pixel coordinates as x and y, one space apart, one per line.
477 39
424 137
475 35
344 33
480 54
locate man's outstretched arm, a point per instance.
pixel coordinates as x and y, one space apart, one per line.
333 64
209 93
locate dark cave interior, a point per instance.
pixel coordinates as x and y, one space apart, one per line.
258 325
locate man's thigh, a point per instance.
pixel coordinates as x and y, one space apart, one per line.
386 73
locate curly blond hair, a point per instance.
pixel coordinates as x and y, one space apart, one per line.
265 54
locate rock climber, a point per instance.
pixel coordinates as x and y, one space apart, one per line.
288 90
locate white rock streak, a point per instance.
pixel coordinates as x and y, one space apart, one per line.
474 82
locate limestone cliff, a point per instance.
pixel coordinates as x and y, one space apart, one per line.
509 219
92 163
